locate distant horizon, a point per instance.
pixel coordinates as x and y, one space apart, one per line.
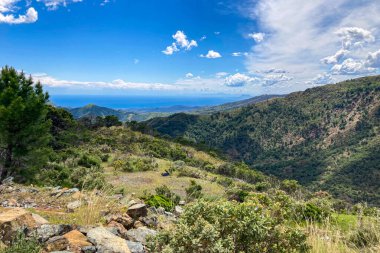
142 101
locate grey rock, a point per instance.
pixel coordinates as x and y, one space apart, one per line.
138 210
106 242
47 231
140 234
136 247
89 249
74 205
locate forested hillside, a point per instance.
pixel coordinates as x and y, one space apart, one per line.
325 137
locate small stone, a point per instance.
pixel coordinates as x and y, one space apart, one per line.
89 249
73 205
182 203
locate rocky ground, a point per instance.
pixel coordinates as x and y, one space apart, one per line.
36 212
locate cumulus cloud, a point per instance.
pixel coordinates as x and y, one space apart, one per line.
323 78
189 75
31 16
181 42
354 37
373 60
351 67
258 37
239 80
272 79
211 55
305 38
337 57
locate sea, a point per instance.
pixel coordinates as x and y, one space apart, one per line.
138 101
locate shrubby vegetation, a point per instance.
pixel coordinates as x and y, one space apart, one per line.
224 226
326 137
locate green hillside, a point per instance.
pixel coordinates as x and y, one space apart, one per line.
325 137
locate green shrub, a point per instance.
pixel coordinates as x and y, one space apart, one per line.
89 161
194 191
160 201
23 245
167 193
228 227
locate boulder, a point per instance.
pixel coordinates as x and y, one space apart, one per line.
106 242
136 247
47 231
138 210
124 219
14 220
120 229
8 181
76 240
57 243
140 234
138 224
39 220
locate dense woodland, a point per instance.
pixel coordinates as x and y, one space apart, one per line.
325 137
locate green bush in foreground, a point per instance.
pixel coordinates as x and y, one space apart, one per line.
224 227
22 245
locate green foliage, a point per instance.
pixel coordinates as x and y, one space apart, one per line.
194 191
22 245
88 161
24 127
167 193
135 164
326 134
290 186
160 201
222 226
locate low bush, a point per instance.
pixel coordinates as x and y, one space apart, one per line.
228 227
23 245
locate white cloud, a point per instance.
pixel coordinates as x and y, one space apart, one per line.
324 78
373 60
239 80
354 37
258 37
55 4
211 55
181 42
189 75
170 49
351 67
203 38
301 33
221 74
119 84
272 79
337 57
31 16
238 54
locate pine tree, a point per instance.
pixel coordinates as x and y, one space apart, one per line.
24 127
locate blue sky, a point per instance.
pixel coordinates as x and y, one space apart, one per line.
189 46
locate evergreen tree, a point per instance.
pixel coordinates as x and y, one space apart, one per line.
24 127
